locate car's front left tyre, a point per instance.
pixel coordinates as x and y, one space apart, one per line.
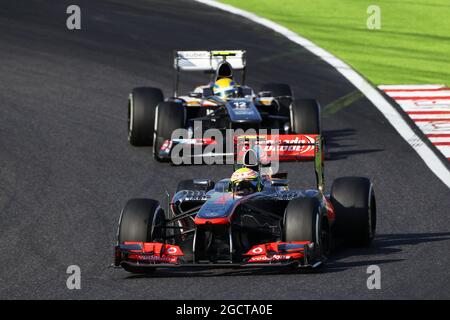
303 221
141 220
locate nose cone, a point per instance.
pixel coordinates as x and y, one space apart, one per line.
219 206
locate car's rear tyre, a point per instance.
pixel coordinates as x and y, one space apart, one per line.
305 116
353 199
142 220
283 97
142 104
190 185
169 117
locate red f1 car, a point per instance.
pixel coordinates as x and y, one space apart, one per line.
215 225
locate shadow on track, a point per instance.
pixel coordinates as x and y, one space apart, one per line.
384 244
337 144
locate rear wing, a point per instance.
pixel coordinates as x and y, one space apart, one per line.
208 60
284 147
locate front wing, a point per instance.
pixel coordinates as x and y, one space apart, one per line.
144 255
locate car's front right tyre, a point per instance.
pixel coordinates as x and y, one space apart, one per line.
169 117
142 103
353 199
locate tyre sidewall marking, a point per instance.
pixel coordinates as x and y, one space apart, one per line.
369 207
155 215
318 230
155 131
130 126
120 224
291 112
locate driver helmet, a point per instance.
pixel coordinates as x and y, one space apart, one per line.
225 88
245 181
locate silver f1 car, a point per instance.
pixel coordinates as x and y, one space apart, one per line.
153 119
212 225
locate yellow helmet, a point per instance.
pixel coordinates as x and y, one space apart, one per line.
245 181
224 88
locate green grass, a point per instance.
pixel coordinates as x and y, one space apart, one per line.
412 46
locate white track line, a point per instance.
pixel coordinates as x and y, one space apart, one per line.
390 113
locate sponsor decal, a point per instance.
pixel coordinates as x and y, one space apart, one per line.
167 145
299 144
172 250
195 146
223 198
257 250
152 258
275 257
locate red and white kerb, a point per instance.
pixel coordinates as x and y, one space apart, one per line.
429 107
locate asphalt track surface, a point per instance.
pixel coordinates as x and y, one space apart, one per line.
67 168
